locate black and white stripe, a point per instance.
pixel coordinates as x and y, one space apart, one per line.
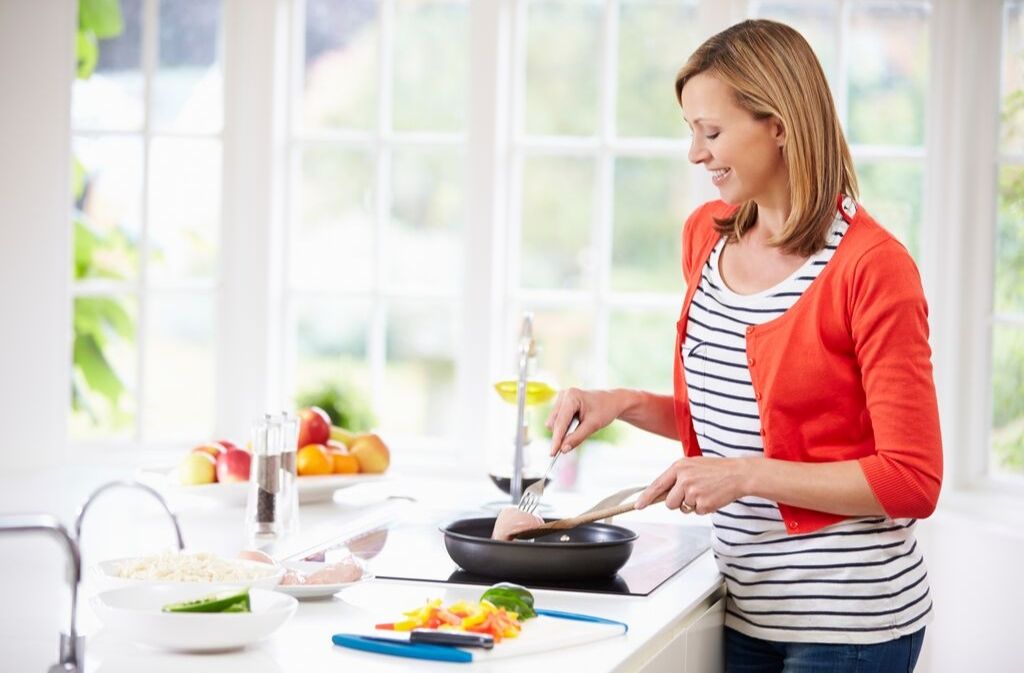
859 581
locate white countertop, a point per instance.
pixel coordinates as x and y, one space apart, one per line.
124 523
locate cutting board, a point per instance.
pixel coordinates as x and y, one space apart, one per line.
550 630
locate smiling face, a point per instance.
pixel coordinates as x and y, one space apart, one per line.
742 153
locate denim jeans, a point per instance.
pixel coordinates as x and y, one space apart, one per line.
744 654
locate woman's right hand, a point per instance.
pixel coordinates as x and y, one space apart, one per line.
595 408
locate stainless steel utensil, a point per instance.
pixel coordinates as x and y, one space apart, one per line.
532 495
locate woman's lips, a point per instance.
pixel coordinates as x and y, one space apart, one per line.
718 177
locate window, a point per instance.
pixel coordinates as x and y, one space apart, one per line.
377 208
601 185
146 124
1007 373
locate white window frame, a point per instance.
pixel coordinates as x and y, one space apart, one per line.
142 289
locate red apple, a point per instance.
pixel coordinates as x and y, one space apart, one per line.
314 426
228 444
233 465
212 448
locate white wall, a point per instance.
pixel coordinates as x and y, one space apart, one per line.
36 71
974 569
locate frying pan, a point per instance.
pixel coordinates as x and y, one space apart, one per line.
593 550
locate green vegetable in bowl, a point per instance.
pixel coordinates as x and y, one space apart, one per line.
513 598
225 601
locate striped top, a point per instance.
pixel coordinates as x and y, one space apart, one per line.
862 580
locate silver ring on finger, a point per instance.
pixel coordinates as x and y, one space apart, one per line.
686 508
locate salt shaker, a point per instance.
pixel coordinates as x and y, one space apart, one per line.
262 513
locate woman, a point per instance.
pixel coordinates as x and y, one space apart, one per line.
804 397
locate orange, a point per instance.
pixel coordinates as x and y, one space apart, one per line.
312 459
344 463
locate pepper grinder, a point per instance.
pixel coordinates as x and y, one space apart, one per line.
262 512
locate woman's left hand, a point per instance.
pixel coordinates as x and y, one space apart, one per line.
699 484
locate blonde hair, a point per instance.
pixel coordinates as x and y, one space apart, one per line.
774 73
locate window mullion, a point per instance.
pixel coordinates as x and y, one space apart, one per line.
960 200
253 241
150 60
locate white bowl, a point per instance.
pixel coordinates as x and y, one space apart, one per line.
311 488
134 614
314 591
107 574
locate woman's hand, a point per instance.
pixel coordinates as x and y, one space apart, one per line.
595 408
699 484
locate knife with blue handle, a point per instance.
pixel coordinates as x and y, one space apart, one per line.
402 648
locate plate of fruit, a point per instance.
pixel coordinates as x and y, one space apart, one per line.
327 458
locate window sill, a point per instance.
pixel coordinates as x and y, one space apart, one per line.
1002 513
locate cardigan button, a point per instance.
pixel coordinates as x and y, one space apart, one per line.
757 395
794 525
764 433
751 362
750 330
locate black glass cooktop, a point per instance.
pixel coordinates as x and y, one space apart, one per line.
413 549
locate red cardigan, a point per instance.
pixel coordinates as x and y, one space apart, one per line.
844 374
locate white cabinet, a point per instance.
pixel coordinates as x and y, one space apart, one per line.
692 645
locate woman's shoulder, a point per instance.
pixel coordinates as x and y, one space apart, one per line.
870 244
699 231
701 222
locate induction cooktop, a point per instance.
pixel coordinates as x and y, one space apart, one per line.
413 549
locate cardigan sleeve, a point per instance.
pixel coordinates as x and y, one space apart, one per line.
889 325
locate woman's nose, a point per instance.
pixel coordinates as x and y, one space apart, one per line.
698 153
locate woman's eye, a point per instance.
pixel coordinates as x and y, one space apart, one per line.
712 136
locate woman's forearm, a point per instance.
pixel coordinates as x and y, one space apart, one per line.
837 488
648 411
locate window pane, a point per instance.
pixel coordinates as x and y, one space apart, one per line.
1010 242
640 349
330 345
558 208
888 73
891 191
332 240
1013 80
1008 399
816 21
112 98
104 374
419 383
180 393
187 89
655 38
565 342
651 204
108 208
184 208
563 63
341 72
431 65
424 237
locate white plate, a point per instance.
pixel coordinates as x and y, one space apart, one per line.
311 489
313 591
134 614
107 573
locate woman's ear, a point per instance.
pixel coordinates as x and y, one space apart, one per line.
778 130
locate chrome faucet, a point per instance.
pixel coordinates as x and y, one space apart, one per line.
127 484
526 351
71 645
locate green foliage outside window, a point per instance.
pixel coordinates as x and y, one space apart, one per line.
97 255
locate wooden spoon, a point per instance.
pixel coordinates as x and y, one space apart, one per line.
588 517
